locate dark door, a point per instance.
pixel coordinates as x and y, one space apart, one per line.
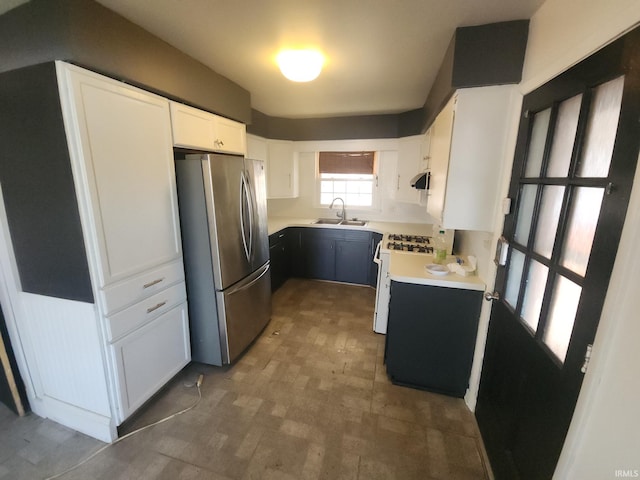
573 169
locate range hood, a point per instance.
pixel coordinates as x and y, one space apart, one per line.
421 181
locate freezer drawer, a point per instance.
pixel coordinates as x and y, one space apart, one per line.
244 310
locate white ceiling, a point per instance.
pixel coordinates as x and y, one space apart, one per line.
382 55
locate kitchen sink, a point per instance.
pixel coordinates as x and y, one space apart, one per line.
337 221
354 223
328 221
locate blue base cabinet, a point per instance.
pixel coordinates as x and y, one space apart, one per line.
431 337
339 255
279 254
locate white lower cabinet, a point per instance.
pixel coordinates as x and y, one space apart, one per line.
121 151
138 314
93 352
148 357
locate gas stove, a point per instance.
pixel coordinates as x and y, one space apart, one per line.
408 243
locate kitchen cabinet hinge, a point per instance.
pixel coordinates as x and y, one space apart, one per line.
587 358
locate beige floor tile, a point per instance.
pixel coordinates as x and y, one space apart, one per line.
310 400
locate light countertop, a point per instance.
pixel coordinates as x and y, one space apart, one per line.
411 269
275 224
402 267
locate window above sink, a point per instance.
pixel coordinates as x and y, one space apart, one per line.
349 175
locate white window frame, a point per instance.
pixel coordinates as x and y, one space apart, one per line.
374 184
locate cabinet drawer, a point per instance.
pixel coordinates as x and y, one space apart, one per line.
122 294
277 237
142 312
149 357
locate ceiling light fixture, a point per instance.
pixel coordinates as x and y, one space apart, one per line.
300 65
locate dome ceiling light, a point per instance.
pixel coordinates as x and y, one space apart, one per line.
300 65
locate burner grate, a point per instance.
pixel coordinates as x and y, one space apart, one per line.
409 247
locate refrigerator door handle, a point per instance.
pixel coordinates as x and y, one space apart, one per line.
239 288
243 196
249 198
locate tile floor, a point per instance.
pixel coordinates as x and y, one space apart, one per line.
309 400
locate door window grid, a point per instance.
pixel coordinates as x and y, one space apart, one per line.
555 339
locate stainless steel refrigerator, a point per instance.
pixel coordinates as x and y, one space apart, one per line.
223 216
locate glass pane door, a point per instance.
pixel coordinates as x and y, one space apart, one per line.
562 186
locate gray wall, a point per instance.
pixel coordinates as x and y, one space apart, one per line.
86 33
37 186
336 128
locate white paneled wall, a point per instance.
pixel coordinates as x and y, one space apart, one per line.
65 343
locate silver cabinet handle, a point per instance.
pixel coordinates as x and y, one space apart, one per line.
151 284
156 307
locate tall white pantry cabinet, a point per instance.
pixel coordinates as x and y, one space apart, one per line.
92 365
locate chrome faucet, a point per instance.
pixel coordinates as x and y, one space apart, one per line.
343 214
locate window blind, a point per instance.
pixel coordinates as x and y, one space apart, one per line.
346 162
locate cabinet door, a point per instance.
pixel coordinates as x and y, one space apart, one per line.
122 160
318 248
282 170
257 148
352 261
439 162
482 121
409 164
229 136
192 128
279 256
150 356
297 261
431 336
425 150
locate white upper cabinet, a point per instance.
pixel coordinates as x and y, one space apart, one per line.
467 154
230 136
413 158
197 129
282 169
439 161
257 148
409 164
128 186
